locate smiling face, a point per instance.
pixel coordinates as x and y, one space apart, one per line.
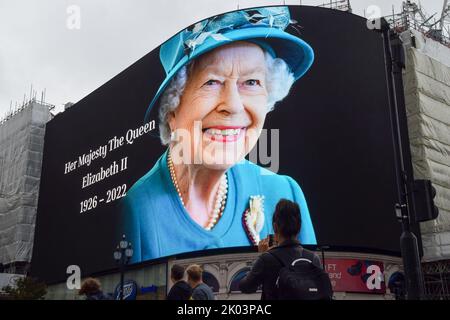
226 93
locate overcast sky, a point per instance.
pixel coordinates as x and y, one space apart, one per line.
37 47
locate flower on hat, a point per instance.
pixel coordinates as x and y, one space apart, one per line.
273 17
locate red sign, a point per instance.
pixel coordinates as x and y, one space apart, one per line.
351 275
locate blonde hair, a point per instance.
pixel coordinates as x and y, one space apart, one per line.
194 272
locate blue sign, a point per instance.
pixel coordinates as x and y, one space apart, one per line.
151 289
129 290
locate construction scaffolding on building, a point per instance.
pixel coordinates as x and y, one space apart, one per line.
21 149
341 5
437 280
414 17
427 96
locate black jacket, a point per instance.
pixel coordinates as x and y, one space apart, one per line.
180 291
266 268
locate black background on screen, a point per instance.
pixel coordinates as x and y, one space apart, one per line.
334 141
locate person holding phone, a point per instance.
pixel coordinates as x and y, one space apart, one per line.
283 245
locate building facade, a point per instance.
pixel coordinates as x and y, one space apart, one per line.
351 276
21 149
427 97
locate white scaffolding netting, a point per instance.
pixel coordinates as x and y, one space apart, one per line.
21 147
427 93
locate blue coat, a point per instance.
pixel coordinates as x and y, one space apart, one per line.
157 224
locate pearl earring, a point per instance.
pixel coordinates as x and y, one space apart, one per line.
173 136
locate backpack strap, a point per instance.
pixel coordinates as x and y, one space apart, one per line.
277 294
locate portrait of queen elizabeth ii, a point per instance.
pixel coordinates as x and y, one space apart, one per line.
223 75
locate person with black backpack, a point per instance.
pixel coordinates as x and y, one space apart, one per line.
287 271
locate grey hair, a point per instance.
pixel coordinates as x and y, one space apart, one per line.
279 80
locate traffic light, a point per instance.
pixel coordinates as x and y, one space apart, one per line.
424 194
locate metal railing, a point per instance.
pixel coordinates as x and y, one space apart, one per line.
437 280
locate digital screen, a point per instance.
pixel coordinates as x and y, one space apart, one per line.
192 147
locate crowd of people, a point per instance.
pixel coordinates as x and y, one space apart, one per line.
285 269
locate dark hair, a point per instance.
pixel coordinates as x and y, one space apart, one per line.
286 218
177 272
90 286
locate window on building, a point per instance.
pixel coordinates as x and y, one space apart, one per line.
211 281
238 276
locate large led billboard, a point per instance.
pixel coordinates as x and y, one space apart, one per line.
191 147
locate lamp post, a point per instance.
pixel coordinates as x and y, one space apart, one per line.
323 248
122 255
405 204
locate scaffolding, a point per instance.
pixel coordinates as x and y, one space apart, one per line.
413 16
444 23
427 84
437 280
21 148
27 103
341 5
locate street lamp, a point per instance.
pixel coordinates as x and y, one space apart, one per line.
122 255
323 248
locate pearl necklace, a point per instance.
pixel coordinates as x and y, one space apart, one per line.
221 197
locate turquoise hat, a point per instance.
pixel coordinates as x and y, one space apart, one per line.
264 26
